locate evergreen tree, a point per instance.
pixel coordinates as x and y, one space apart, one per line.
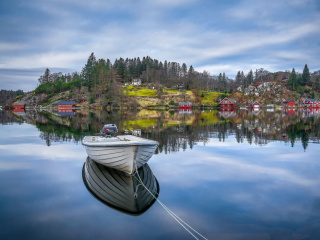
238 79
184 70
45 78
220 82
224 82
250 78
243 81
317 84
306 75
293 79
88 69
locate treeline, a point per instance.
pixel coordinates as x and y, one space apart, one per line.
297 81
104 80
8 96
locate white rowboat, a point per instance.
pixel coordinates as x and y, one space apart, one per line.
121 152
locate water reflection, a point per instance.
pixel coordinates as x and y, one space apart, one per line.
175 131
119 190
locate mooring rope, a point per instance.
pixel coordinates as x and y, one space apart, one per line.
172 214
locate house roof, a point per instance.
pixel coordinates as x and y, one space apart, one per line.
67 103
185 103
20 103
310 100
231 100
289 100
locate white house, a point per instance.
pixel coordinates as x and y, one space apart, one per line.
136 81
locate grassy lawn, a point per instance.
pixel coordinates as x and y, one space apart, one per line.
209 97
141 92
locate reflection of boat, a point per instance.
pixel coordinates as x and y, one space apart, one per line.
120 152
120 190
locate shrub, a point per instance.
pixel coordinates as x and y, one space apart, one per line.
171 102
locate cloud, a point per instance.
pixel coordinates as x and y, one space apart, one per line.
233 35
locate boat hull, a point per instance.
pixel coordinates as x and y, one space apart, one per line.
121 155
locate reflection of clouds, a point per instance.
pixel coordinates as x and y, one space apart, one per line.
219 161
36 151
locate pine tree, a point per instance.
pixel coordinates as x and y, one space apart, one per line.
317 84
224 82
306 75
220 81
250 78
46 76
184 70
238 79
293 79
87 70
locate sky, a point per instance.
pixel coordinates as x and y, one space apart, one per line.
216 36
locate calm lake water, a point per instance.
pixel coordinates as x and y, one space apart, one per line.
228 174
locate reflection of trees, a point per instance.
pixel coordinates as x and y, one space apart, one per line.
7 117
260 129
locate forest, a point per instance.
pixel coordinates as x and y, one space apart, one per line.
8 96
105 80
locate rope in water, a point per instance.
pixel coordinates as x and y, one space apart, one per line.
172 214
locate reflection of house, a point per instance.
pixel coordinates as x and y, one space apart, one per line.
311 103
255 105
185 105
226 102
63 104
290 112
311 112
256 111
136 132
185 111
66 112
19 111
227 112
136 81
290 103
19 105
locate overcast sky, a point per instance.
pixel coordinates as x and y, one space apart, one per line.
217 36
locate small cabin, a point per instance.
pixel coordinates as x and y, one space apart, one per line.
311 103
185 105
227 103
290 103
19 105
70 104
136 81
255 105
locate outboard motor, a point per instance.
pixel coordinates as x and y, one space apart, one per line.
109 129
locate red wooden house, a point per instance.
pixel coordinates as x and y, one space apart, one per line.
69 105
185 105
227 103
311 103
19 105
255 105
289 103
